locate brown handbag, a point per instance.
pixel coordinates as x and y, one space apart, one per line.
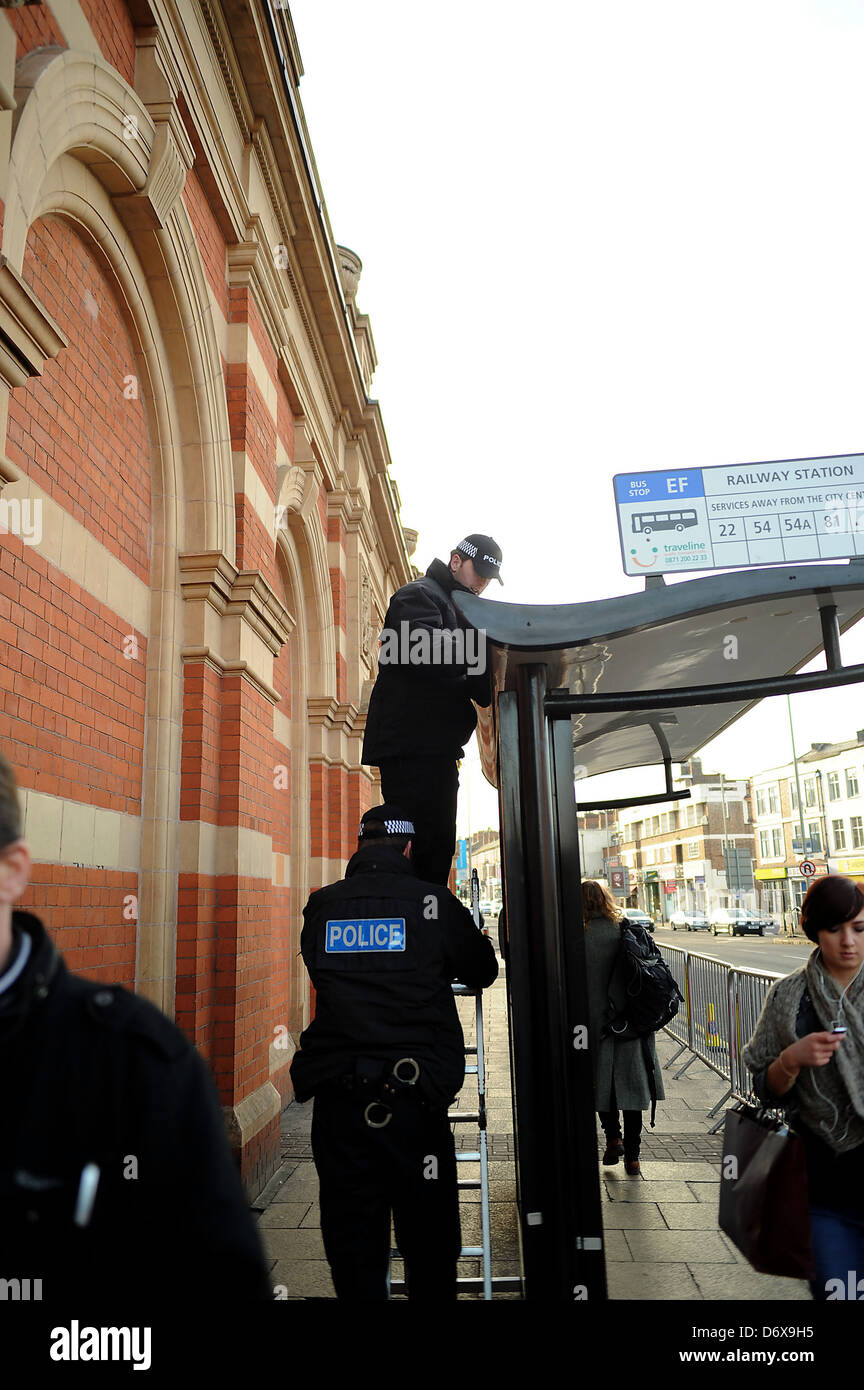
763 1193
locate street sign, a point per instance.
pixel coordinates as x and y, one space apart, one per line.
807 867
739 868
744 514
619 881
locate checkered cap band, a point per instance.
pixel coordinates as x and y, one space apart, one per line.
393 827
399 827
467 549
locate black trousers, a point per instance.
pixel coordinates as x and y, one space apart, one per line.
409 1168
426 789
632 1127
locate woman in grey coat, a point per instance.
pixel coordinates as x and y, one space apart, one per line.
620 1074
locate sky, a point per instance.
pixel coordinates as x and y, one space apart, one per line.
597 237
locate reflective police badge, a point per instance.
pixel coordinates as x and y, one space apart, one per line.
365 934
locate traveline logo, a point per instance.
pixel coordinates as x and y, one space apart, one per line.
366 934
433 647
102 1344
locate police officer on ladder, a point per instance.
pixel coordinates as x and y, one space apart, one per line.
421 710
384 1057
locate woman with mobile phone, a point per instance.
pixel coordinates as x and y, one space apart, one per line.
807 1056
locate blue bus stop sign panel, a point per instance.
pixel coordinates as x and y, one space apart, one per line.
744 514
643 489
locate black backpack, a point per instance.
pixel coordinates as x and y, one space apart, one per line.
653 996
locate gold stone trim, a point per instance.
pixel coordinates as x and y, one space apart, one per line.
28 333
330 714
246 1119
233 595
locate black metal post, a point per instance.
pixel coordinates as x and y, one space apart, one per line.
559 1193
831 637
520 993
583 1139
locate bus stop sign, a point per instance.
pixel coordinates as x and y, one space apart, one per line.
744 514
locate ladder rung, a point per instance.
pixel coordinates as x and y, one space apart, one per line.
469 1283
469 1184
461 1117
499 1281
471 1252
472 1157
471 1071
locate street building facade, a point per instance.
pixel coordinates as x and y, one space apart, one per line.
200 533
696 855
820 827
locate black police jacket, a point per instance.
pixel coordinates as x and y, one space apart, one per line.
383 948
423 708
91 1074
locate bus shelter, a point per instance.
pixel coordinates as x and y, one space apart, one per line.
589 688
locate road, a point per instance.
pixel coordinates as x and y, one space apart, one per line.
754 952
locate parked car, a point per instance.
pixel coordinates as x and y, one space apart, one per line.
737 921
688 921
635 914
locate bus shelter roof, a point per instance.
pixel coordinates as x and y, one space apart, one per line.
737 626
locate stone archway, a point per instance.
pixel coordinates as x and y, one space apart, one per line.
86 149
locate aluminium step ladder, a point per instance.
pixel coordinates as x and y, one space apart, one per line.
480 1155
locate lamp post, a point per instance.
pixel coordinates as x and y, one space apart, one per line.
820 798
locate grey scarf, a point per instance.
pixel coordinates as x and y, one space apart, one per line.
829 1099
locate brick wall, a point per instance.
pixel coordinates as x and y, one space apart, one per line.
73 700
72 688
34 27
71 703
80 430
209 238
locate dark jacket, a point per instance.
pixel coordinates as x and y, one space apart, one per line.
424 708
619 1064
835 1181
92 1074
394 1000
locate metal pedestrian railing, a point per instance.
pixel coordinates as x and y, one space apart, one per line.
721 1007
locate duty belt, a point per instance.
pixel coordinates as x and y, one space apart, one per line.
402 1076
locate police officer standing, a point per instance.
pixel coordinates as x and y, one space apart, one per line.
431 672
384 1057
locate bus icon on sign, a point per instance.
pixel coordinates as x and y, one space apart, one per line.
674 520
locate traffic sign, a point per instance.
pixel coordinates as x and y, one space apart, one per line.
746 514
619 881
807 867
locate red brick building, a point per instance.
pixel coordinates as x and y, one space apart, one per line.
200 534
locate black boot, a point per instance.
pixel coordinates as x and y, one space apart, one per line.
614 1149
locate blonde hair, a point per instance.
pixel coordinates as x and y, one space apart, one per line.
597 901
